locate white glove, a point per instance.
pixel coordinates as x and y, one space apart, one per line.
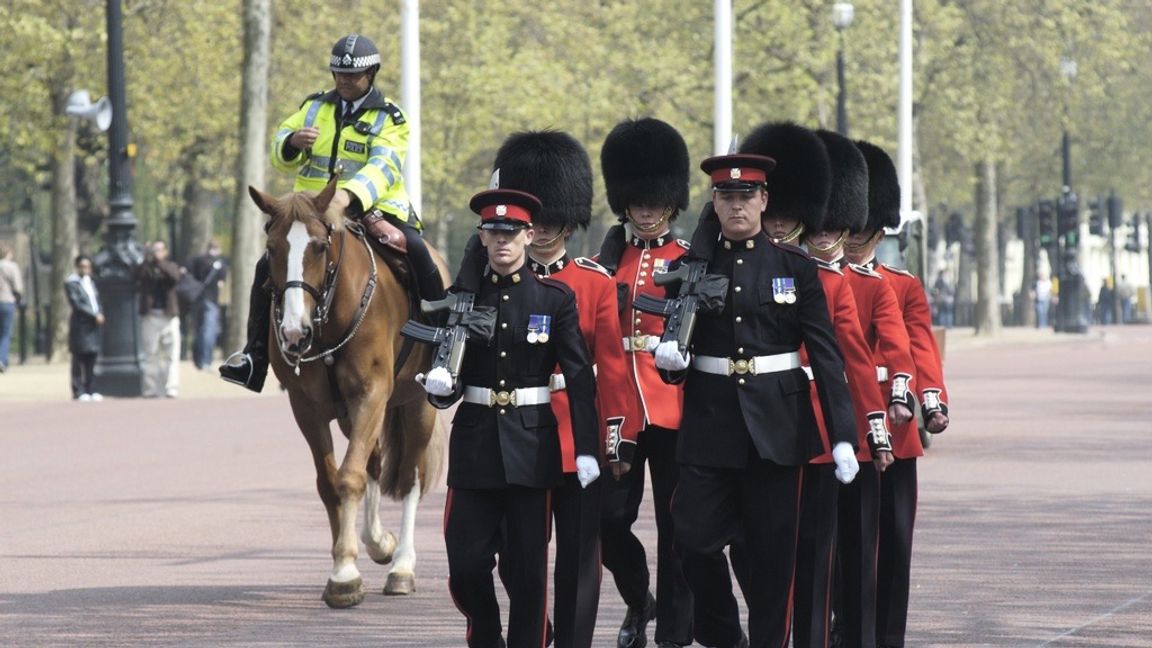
846 466
438 382
669 358
587 470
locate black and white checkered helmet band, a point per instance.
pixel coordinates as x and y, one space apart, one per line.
349 63
353 53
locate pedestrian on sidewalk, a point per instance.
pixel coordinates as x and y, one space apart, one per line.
11 291
210 270
84 328
160 322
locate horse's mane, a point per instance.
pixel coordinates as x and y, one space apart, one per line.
298 206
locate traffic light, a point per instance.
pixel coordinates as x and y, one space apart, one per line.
1133 242
1046 215
1022 223
1115 211
1096 216
1068 218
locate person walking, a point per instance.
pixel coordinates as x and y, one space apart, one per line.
159 322
210 269
85 327
11 293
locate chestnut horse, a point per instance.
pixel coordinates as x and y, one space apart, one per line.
335 344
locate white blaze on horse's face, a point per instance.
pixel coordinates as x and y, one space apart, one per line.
295 319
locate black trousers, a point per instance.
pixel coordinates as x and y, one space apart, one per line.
576 513
83 365
858 538
711 509
624 554
815 557
477 524
898 493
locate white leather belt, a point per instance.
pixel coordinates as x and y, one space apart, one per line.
640 343
515 397
881 374
756 365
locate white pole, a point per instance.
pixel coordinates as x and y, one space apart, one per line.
904 162
410 96
722 62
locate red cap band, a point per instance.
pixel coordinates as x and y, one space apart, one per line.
506 212
739 174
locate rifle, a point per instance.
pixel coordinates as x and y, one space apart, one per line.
699 291
464 320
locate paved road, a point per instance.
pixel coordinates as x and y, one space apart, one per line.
194 522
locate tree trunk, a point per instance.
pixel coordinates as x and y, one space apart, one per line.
63 228
987 314
196 218
246 228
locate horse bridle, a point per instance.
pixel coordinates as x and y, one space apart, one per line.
323 303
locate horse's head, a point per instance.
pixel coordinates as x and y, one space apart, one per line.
299 238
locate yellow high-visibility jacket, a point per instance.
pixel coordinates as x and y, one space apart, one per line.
368 151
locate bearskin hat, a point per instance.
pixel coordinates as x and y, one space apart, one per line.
800 184
883 188
645 162
555 168
848 202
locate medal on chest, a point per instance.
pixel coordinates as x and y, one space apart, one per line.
784 290
539 328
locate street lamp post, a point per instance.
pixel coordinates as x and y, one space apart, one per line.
1072 310
842 14
118 372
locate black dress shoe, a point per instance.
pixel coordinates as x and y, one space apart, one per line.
244 370
633 631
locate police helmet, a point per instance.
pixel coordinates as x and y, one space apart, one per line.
354 53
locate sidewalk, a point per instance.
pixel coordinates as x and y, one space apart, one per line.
40 381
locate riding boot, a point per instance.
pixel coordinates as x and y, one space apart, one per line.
249 368
428 280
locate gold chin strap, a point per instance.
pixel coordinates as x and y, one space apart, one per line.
543 245
860 247
654 226
793 235
835 245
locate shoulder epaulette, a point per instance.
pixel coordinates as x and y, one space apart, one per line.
557 284
900 271
684 244
589 264
829 266
867 272
314 95
394 111
788 247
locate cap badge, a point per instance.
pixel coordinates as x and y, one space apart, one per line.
347 60
734 174
501 210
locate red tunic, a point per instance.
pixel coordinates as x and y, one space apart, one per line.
661 403
615 399
867 399
883 327
918 321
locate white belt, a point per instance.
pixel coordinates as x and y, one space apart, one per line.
556 382
640 343
515 397
808 371
755 366
881 374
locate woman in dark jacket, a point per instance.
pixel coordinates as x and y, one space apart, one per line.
83 328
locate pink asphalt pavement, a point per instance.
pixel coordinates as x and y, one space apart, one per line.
194 522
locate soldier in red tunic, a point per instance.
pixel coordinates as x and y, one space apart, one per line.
799 190
899 488
555 168
645 166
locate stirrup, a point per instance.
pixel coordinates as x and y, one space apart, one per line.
240 369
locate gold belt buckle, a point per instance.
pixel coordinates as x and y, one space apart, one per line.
741 366
639 342
502 398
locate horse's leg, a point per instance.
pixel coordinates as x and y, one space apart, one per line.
379 544
366 414
415 423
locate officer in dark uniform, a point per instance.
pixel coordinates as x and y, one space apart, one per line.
504 450
748 425
358 134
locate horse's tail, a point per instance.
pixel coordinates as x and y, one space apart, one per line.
413 445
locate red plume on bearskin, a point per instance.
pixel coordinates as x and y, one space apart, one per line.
883 188
555 168
800 184
645 162
848 202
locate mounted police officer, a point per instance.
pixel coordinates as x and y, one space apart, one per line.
748 426
357 133
505 455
